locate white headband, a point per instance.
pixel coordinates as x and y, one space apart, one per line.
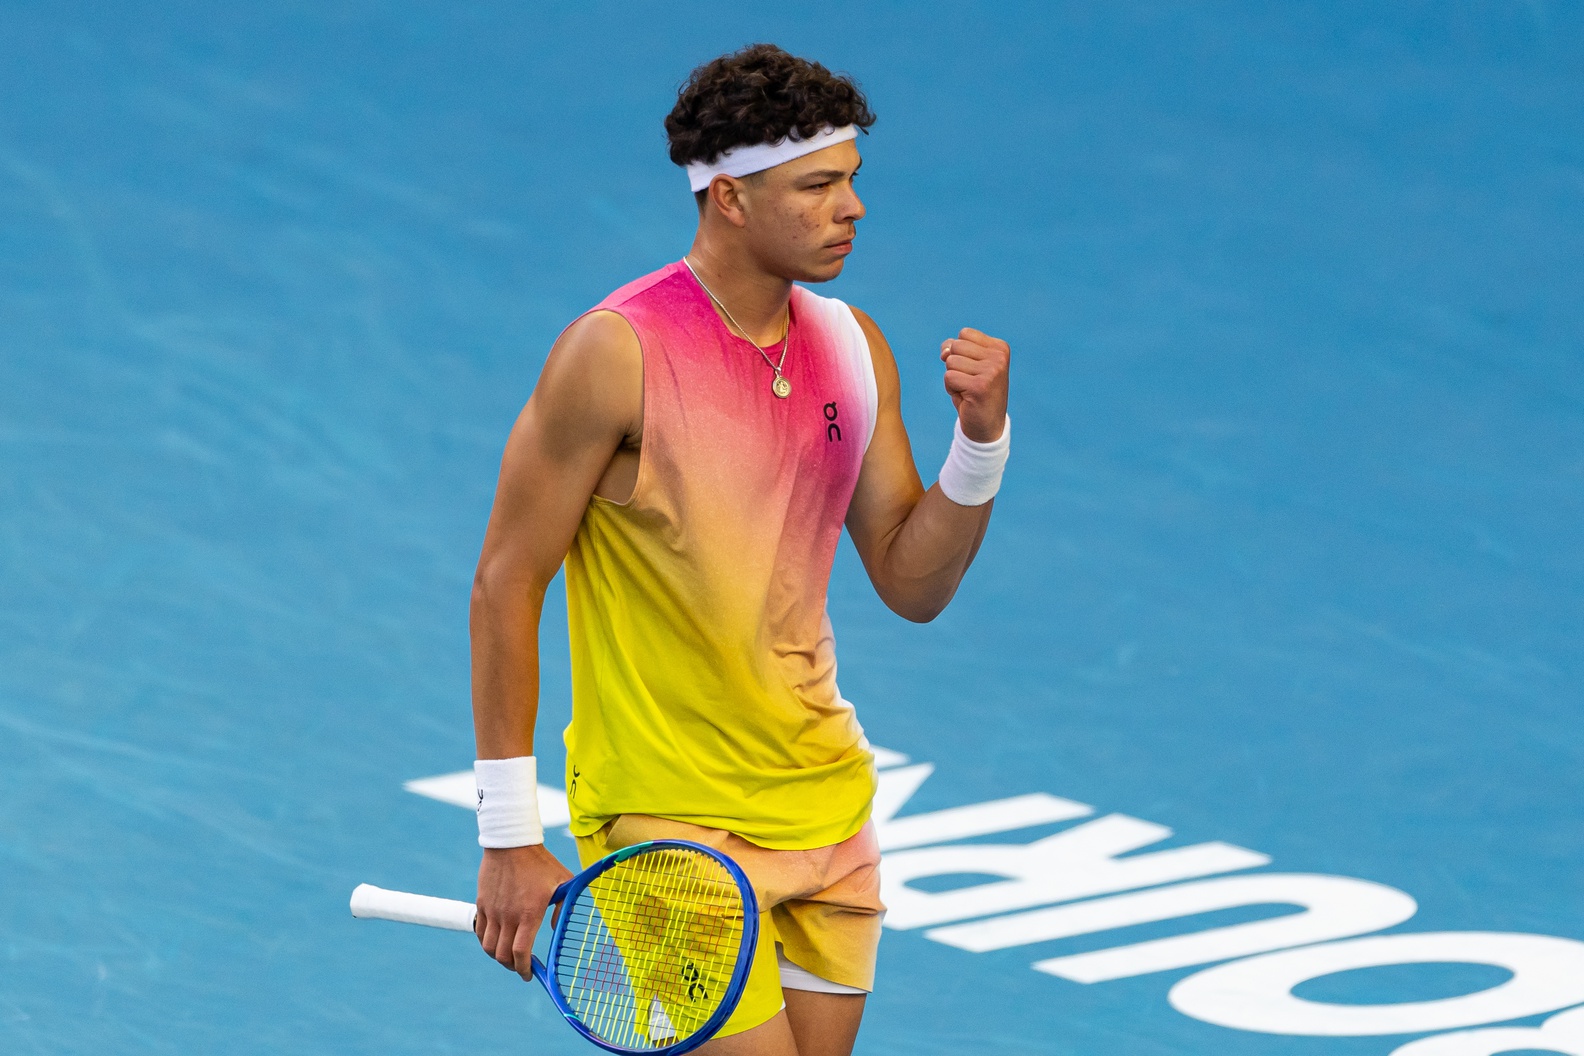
745 161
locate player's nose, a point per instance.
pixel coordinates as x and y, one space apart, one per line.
851 207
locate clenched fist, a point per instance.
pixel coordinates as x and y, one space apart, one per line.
976 379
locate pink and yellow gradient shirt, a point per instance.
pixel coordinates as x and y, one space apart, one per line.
703 664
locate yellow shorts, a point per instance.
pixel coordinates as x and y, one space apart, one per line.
821 905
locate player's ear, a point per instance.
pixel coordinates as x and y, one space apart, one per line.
726 197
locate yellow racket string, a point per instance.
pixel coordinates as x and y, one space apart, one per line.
650 947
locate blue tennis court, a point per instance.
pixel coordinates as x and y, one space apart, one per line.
1255 731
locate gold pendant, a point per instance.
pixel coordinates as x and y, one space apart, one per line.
781 387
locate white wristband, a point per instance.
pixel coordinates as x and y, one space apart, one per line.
972 473
508 802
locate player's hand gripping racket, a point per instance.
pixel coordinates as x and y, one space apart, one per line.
650 951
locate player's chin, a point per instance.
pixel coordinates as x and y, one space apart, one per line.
825 268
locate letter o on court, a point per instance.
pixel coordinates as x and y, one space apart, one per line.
1255 994
1562 1033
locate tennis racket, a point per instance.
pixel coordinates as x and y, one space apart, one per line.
650 950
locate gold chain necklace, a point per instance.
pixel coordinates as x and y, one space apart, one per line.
780 386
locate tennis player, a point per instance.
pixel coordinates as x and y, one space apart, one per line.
691 452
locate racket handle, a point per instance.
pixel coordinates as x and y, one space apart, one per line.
379 904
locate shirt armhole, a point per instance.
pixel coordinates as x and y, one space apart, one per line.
856 344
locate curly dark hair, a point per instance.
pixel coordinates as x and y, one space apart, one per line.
759 95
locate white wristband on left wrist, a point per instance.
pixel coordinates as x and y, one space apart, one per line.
972 473
508 802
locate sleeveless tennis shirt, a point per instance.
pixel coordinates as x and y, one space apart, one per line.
703 663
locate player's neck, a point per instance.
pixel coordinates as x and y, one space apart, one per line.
756 299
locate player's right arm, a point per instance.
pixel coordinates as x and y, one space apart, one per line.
583 419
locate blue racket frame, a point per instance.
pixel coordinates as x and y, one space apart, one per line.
739 980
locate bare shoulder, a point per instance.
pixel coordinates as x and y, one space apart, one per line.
886 378
599 351
593 377
598 339
871 328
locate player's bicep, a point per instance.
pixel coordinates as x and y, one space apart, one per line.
888 482
587 401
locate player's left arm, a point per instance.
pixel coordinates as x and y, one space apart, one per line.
915 543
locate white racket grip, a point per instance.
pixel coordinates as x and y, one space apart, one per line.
379 904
